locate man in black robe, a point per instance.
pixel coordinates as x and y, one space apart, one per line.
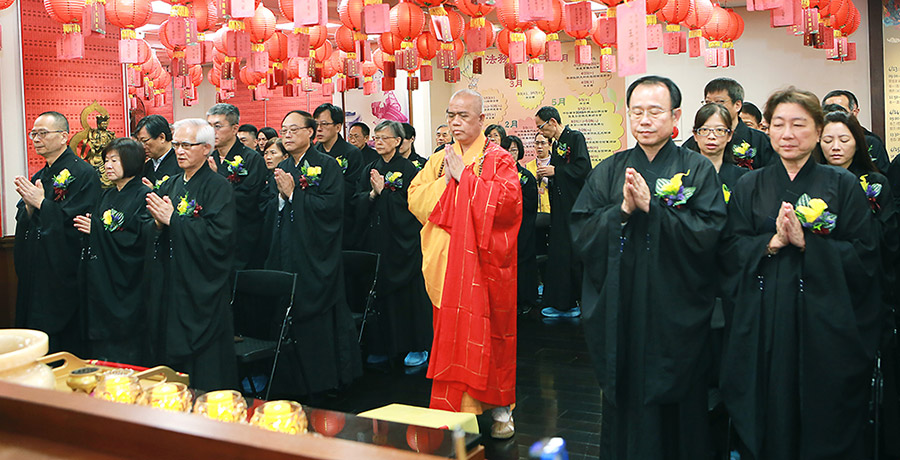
358 136
646 226
751 148
329 121
442 136
154 132
246 170
527 246
569 165
192 326
48 247
307 241
848 101
387 227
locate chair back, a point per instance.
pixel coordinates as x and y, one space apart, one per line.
360 278
259 301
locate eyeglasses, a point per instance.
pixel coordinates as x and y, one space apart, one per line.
543 124
185 145
219 126
325 123
384 138
717 101
653 112
142 141
540 142
293 130
719 132
41 134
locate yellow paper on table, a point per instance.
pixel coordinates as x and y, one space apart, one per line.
432 418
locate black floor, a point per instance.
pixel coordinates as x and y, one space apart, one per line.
556 391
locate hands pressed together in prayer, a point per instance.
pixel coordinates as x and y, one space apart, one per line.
285 183
32 194
212 163
453 164
788 230
161 208
635 193
377 181
546 171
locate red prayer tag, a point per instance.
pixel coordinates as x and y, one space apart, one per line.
477 65
351 67
242 8
535 71
583 54
510 71
783 16
128 51
306 12
535 10
376 18
553 51
193 54
475 40
810 21
440 26
259 61
364 51
851 52
387 84
654 36
306 85
70 46
327 89
516 52
412 83
682 43
192 35
577 16
208 50
293 45
243 47
608 63
631 26
341 85
178 29
712 56
694 47
670 43
426 73
368 87
731 56
722 59
606 31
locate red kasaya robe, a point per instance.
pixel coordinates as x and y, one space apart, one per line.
473 356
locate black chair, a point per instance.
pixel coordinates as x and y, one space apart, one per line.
360 280
261 302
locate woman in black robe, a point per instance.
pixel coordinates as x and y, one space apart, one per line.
802 256
122 227
527 249
713 137
404 321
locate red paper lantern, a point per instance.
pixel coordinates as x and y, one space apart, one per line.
581 34
535 39
277 47
733 26
390 42
378 57
489 33
218 58
674 11
653 6
318 35
457 23
424 440
369 68
205 13
740 25
144 53
555 24
195 73
251 78
407 20
65 11
429 3
344 39
327 423
718 25
459 48
128 14
699 13
351 13
323 53
166 38
214 76
852 23
476 10
427 45
4 4
508 14
219 42
262 25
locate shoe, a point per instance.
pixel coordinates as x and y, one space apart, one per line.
551 312
415 358
503 427
376 359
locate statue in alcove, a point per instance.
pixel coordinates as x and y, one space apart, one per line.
90 142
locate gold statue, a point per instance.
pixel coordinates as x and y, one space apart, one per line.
90 142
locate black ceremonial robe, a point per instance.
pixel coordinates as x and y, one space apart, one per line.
562 279
877 152
307 241
763 153
369 155
351 161
47 254
167 167
730 173
250 198
527 248
648 298
417 160
116 278
196 255
799 351
388 228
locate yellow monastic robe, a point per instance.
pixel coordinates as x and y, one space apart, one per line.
424 192
543 192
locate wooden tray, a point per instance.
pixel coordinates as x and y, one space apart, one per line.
63 363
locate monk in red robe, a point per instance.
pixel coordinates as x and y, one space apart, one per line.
469 201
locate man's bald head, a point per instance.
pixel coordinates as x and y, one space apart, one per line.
465 117
472 97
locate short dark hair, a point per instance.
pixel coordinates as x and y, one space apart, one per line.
546 112
751 109
131 153
509 141
337 113
408 131
731 86
155 125
275 141
828 108
270 133
362 127
231 112
310 121
497 128
674 92
854 102
805 99
248 129
861 160
61 121
707 111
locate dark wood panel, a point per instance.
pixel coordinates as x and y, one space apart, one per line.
8 282
876 66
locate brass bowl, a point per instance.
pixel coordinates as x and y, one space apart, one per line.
84 380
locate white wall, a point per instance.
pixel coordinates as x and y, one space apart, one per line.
206 98
769 59
12 123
